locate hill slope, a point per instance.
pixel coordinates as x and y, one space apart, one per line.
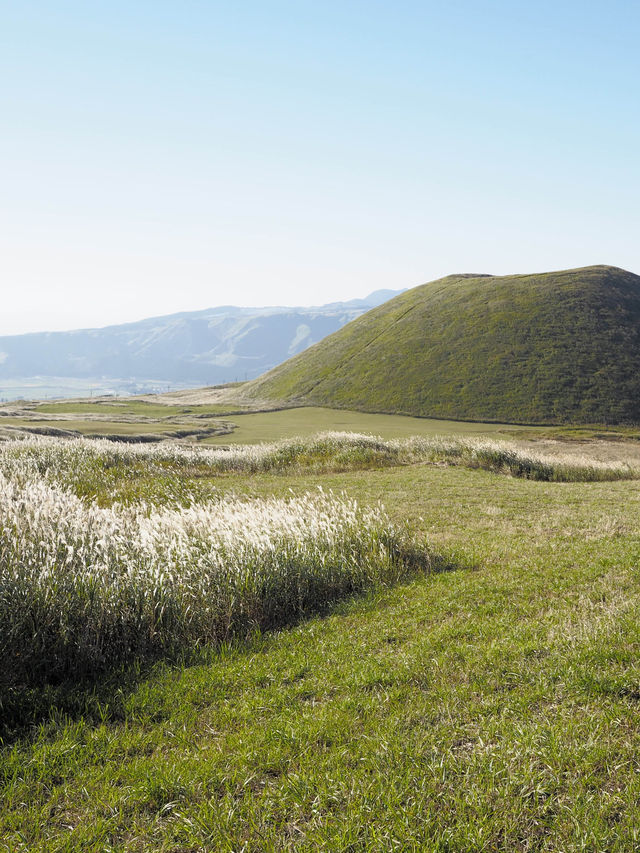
547 348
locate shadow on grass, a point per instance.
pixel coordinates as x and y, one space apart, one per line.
102 698
611 688
24 708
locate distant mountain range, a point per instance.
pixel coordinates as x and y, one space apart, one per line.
192 348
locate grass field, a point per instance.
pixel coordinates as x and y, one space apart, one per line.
270 426
128 406
493 706
165 414
131 417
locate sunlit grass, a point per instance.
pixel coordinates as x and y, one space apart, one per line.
491 708
80 459
84 587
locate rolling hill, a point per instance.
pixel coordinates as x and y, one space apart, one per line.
558 347
189 349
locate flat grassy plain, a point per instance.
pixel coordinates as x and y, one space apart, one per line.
133 406
285 423
493 706
237 422
131 417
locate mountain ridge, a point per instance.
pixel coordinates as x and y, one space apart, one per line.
208 346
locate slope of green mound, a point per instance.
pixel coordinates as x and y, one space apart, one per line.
550 348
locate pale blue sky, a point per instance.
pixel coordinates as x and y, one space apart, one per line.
162 156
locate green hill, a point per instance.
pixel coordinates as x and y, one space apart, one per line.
555 347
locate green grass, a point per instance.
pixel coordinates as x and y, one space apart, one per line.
169 474
116 408
489 708
84 589
537 349
248 428
286 423
91 427
575 433
124 405
197 429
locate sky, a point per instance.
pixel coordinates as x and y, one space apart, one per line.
165 156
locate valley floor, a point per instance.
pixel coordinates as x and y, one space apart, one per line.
490 707
213 420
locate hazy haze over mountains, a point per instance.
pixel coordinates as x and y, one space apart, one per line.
207 347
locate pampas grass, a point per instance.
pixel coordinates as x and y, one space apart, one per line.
84 587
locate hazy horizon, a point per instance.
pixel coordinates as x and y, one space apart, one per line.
204 309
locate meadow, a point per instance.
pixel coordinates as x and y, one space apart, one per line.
210 416
469 680
221 415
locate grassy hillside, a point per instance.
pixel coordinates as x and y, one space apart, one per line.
561 347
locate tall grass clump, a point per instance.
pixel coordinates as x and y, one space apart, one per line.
86 463
83 587
507 458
